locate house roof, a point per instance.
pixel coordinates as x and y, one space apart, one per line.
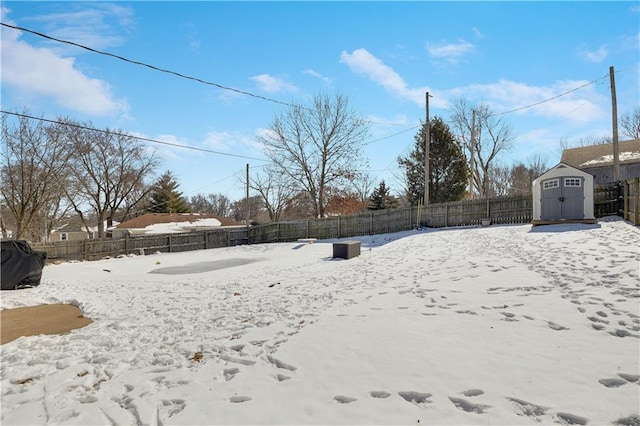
602 155
177 221
71 224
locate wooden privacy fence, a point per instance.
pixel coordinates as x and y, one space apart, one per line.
460 213
504 210
507 210
631 201
607 199
144 244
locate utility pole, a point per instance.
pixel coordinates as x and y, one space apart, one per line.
614 113
247 202
471 153
427 146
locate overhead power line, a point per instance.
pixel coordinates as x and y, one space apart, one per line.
391 135
552 98
242 92
153 67
140 138
156 68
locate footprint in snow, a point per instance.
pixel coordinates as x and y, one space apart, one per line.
467 406
343 399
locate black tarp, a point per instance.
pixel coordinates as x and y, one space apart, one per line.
20 265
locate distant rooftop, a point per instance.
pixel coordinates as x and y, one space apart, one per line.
601 155
176 222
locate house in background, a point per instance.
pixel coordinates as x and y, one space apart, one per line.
597 160
74 230
166 223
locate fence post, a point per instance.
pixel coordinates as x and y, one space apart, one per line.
126 244
446 215
84 249
636 203
625 199
411 217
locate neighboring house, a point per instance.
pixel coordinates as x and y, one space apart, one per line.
597 160
166 223
74 230
107 226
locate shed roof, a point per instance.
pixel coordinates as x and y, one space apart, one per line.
562 169
601 155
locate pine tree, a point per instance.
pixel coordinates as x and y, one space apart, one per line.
448 169
165 198
381 199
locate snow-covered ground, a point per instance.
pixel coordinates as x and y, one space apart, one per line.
500 325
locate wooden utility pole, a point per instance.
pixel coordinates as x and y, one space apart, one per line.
471 153
614 114
427 146
247 202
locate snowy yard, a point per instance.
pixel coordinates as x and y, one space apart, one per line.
502 325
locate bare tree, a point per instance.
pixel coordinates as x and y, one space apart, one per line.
216 204
318 146
34 174
537 164
516 179
586 141
274 190
363 187
500 180
108 168
492 136
630 123
239 209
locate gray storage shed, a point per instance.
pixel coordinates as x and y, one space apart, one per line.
563 194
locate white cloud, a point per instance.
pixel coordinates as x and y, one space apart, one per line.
96 25
168 152
362 62
317 75
41 72
581 106
236 143
219 141
451 52
271 84
596 56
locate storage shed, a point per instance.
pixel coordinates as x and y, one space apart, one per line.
563 194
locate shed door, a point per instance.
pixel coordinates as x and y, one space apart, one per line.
562 198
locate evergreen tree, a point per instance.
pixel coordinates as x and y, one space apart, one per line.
448 169
381 198
165 198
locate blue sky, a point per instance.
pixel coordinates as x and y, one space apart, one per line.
383 55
